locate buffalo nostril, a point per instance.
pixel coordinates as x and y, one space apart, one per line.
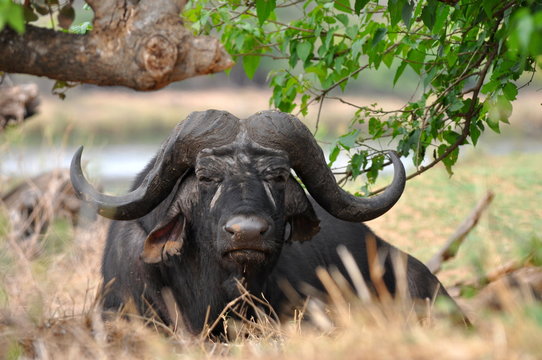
232 228
248 227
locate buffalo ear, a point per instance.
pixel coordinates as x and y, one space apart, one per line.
300 213
166 239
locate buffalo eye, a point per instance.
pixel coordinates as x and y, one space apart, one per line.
208 179
276 177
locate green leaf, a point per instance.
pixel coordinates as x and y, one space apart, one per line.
406 13
359 5
451 136
474 133
343 5
429 77
376 128
351 31
451 58
379 35
388 59
356 163
356 49
376 165
348 140
441 12
250 65
410 142
510 90
493 124
333 155
490 87
13 15
456 105
330 19
292 61
449 160
304 101
489 6
343 18
499 110
83 28
59 88
264 8
395 8
303 50
416 60
429 13
399 72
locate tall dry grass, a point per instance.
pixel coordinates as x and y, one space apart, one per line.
49 311
49 305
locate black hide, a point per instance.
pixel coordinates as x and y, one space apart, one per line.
195 261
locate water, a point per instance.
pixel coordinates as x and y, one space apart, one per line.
112 166
119 164
107 163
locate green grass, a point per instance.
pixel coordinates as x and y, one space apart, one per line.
434 205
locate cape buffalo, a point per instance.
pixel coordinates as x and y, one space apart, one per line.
218 205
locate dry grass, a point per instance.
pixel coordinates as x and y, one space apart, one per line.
52 316
48 311
48 304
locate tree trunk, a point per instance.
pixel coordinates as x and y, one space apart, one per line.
141 45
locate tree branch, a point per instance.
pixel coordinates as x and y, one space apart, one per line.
450 249
471 113
143 46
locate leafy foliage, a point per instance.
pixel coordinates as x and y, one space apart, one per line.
468 56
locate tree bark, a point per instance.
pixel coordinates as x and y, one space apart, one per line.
141 45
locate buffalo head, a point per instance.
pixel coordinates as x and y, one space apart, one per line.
228 186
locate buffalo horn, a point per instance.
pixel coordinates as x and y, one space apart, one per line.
200 130
285 132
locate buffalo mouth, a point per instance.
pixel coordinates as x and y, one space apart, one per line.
246 256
